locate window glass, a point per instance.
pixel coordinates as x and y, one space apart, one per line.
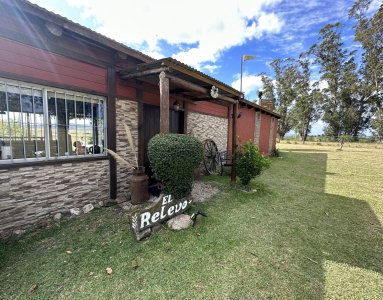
5 147
71 125
62 133
88 123
37 124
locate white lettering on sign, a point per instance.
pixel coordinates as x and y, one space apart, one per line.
163 210
166 199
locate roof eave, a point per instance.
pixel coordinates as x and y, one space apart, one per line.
78 29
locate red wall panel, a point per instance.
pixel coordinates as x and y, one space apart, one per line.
246 125
264 134
23 60
126 89
275 133
209 108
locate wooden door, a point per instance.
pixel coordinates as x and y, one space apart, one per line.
152 127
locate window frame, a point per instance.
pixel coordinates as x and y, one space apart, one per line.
45 122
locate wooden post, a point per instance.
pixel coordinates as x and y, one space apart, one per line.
186 112
164 103
112 94
140 103
234 144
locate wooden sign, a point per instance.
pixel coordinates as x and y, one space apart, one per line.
165 208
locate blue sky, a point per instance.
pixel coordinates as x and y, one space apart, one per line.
212 35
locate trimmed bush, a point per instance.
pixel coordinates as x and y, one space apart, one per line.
250 163
173 158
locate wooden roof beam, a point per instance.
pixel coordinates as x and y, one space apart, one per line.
144 73
197 88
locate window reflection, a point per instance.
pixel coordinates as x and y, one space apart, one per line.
21 122
73 124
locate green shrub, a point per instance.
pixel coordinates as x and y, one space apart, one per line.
173 158
274 153
250 163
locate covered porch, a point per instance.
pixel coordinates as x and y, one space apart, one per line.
180 87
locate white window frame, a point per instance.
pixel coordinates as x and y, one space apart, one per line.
45 90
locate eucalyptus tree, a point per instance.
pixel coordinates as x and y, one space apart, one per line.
268 88
307 108
343 105
286 82
369 32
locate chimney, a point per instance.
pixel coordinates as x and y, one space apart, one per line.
268 104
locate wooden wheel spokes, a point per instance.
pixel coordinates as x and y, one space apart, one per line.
212 159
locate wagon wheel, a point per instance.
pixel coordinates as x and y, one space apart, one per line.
211 159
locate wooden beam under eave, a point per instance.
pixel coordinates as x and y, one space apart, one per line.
164 103
196 88
143 73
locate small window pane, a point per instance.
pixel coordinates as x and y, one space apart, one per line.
38 124
71 121
5 147
80 126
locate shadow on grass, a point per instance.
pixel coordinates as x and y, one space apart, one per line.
324 227
276 243
298 230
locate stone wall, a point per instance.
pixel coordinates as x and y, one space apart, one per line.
126 113
208 127
271 135
29 194
257 131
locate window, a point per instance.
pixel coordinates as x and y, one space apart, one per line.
44 123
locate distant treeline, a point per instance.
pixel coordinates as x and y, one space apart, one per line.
346 93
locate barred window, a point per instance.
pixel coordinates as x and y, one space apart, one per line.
38 123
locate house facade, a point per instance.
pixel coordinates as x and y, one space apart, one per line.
67 92
257 124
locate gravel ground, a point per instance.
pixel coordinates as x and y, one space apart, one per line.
203 191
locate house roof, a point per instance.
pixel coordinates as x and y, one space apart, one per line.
177 68
261 108
186 72
69 25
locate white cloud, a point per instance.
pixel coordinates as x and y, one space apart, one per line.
250 85
208 28
374 6
211 68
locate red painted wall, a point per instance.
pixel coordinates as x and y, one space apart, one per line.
209 108
246 129
26 61
246 125
275 132
264 134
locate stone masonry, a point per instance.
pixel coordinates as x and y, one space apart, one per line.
208 127
257 131
271 135
30 194
126 113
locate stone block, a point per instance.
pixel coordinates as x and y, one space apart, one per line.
179 222
87 208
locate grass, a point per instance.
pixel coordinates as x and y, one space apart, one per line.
313 230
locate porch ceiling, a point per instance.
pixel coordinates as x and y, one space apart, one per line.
184 80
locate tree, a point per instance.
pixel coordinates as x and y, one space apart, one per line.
369 32
306 110
268 88
344 106
286 77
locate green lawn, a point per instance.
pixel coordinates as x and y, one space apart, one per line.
313 230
